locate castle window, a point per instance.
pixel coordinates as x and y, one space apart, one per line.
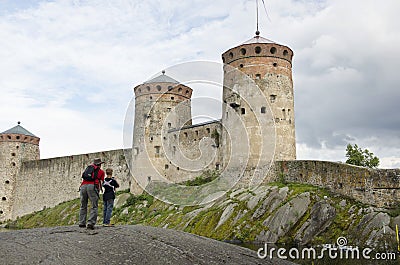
9 137
263 109
177 168
173 150
288 113
285 53
136 151
258 76
140 90
243 111
13 164
168 109
179 89
185 134
7 182
273 50
1 212
4 199
12 154
187 92
175 136
284 114
148 178
257 49
158 88
276 120
231 55
148 88
151 138
166 166
243 51
151 97
223 59
197 133
272 98
172 98
208 130
170 88
169 125
157 149
275 64
241 65
217 166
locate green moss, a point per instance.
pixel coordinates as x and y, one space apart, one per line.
206 177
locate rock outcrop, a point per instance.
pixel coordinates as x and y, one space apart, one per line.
120 245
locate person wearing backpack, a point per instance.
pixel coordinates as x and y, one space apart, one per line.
93 177
109 184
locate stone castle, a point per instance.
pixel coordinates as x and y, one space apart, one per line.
257 126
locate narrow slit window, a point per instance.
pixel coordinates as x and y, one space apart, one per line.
157 149
263 110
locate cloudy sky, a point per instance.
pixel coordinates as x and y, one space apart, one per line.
68 67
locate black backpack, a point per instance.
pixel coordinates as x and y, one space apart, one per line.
90 173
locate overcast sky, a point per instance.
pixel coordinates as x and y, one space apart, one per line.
68 67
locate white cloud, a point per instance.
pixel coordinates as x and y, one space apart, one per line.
72 64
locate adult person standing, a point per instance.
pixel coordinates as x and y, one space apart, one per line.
110 184
89 190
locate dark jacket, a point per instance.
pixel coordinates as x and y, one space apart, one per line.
109 190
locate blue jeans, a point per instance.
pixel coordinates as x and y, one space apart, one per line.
107 211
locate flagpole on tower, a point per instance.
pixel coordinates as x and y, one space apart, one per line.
257 32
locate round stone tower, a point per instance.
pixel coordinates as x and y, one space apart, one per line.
16 146
269 64
161 104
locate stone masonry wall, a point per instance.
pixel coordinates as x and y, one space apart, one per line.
12 154
379 187
48 182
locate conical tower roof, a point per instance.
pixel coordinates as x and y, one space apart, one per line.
163 78
258 39
18 130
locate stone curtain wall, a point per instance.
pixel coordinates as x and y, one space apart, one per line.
48 182
379 187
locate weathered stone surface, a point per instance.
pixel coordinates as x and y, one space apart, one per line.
120 245
284 218
253 201
226 214
121 199
237 192
321 216
274 198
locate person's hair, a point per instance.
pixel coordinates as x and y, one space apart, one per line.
109 171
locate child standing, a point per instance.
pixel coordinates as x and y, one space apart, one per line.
110 184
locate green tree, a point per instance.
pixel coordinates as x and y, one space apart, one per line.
356 156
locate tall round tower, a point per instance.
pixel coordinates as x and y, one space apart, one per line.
161 104
16 146
269 64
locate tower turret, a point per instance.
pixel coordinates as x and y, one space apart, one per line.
16 146
269 64
161 104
